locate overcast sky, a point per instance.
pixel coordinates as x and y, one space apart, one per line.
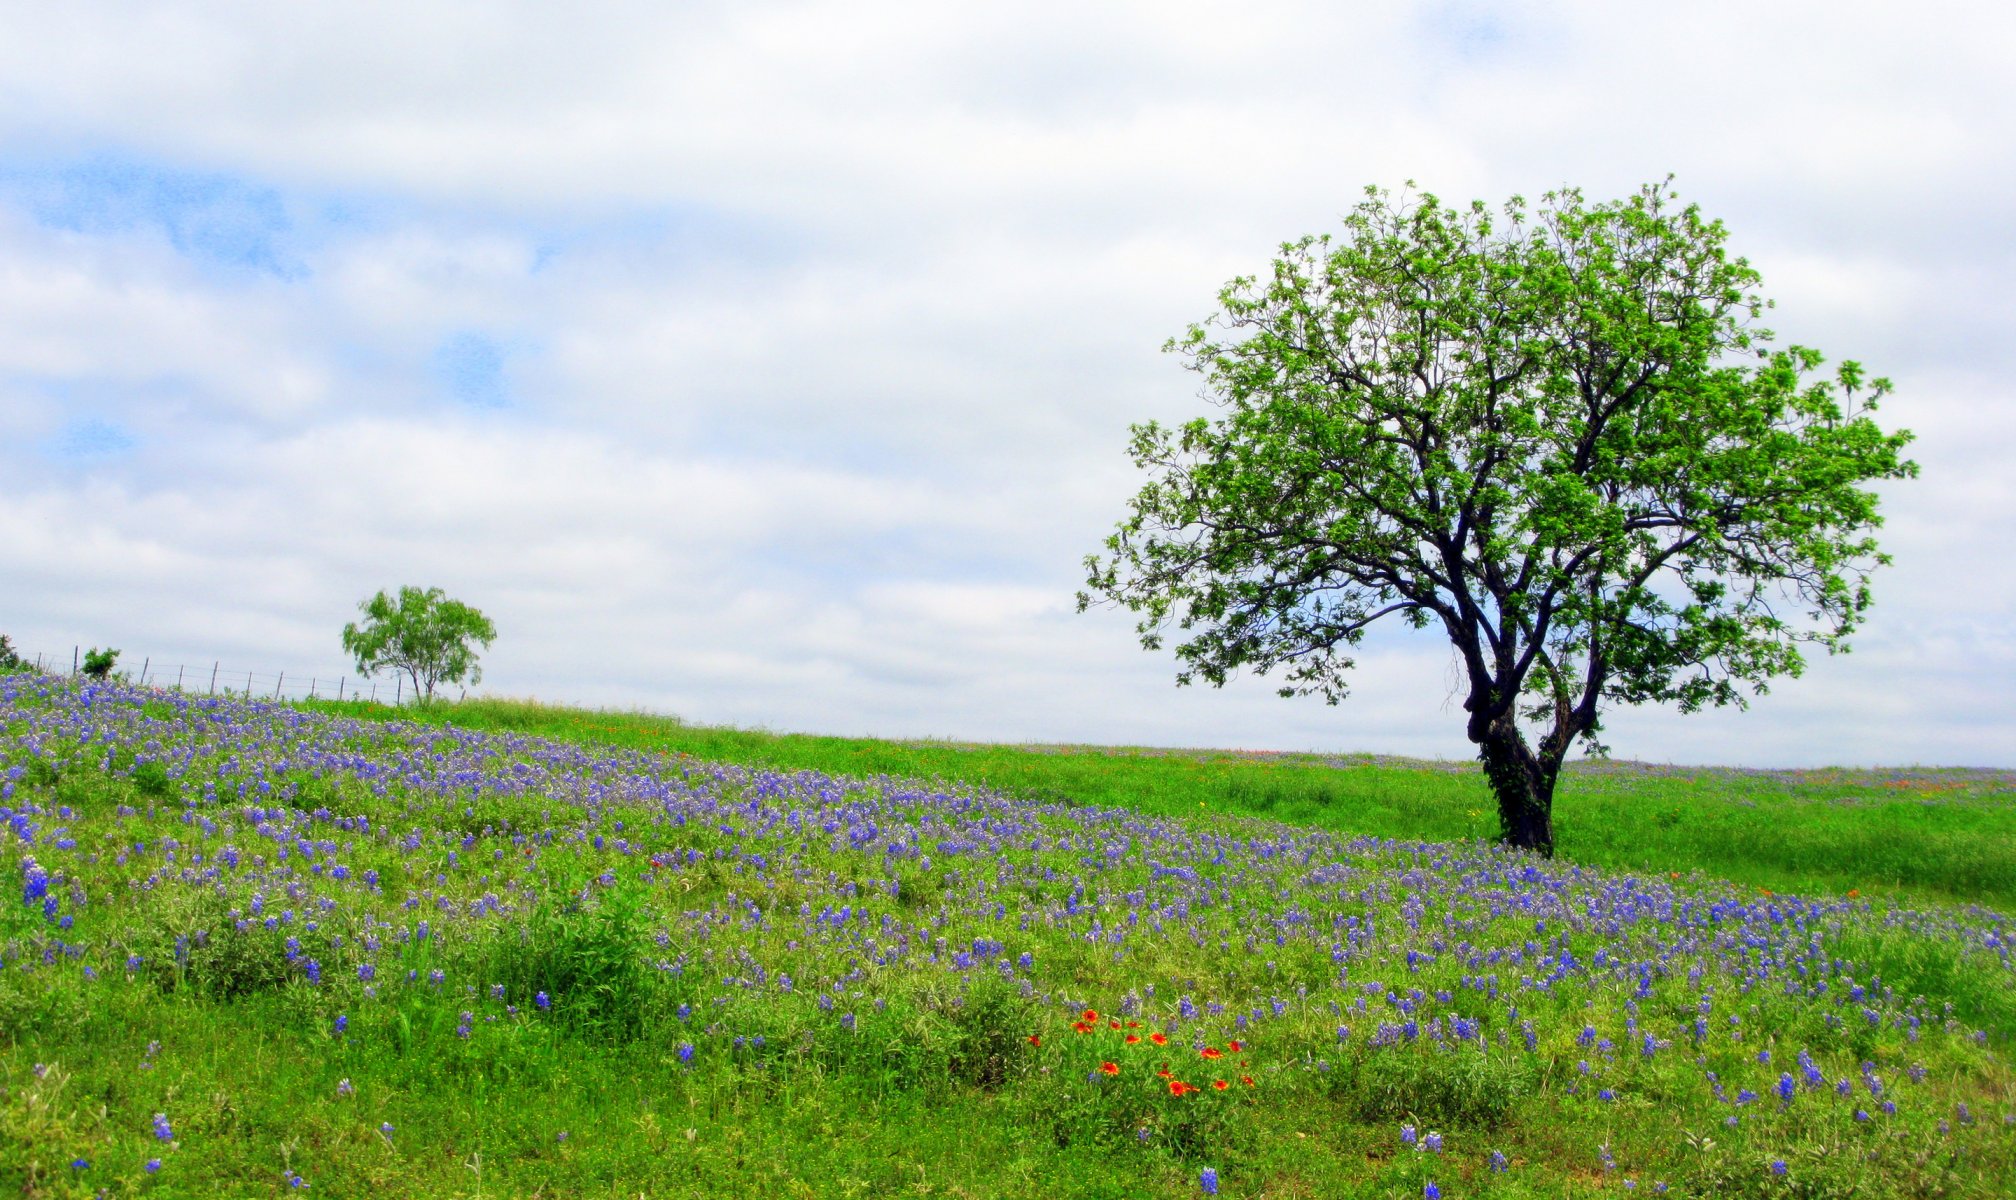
771 364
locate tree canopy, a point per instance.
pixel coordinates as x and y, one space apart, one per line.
424 635
1535 443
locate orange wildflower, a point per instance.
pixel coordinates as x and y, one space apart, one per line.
1247 1080
1091 1014
1133 1038
1211 1052
1178 1088
1110 1068
1159 1039
1034 1040
1236 1046
1220 1084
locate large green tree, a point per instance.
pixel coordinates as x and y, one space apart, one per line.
423 635
1534 442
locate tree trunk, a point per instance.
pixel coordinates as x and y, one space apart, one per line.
1525 788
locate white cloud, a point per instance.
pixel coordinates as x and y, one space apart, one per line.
818 327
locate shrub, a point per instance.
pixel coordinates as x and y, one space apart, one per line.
98 663
1442 1088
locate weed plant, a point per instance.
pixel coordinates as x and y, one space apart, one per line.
246 948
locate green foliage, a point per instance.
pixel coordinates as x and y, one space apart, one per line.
423 634
582 946
98 663
10 659
1434 1087
990 1023
1528 442
151 780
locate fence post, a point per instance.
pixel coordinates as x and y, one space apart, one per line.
73 658
339 689
399 682
277 683
213 678
248 685
312 681
374 691
144 664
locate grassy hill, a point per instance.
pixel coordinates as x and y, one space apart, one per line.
505 949
1917 833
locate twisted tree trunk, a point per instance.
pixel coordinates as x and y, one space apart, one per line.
1523 784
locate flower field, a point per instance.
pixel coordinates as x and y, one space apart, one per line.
248 949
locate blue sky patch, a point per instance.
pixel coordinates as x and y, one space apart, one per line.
472 367
218 219
89 439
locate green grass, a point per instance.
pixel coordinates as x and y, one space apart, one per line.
1925 835
933 1087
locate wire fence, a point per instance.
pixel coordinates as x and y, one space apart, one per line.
216 679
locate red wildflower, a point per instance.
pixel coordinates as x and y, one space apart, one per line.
1164 1072
1110 1068
1158 1039
1133 1024
1236 1046
1133 1038
1177 1087
1034 1040
1080 1027
1220 1084
1091 1014
1247 1080
1212 1052
1113 1024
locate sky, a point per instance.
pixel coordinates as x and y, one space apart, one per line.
772 364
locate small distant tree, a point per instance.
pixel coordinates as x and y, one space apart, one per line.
10 659
423 635
98 663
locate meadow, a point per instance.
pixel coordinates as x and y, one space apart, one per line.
514 950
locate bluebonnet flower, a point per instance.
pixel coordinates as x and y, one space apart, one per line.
1430 1192
1407 1137
1498 1162
152 1165
543 1001
1432 1143
1208 1180
1778 1166
161 1130
342 1022
685 1052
